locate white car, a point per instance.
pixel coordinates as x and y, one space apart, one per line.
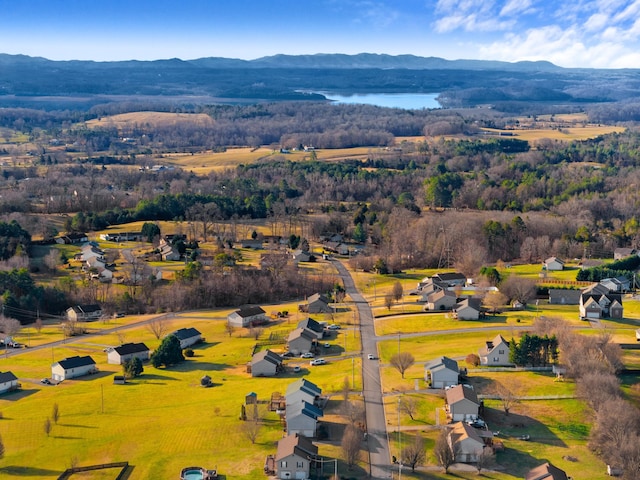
371 356
307 355
318 361
333 326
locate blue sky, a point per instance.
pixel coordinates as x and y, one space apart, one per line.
579 33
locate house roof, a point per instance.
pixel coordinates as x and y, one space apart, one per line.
554 259
295 445
7 377
443 361
305 385
75 362
474 303
438 294
546 471
86 308
318 297
622 251
311 324
460 392
461 431
129 348
493 344
250 311
302 333
570 296
449 277
185 333
304 408
268 356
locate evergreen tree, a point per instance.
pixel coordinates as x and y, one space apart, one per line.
168 353
132 368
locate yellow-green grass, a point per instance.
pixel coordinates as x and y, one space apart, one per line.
566 134
160 422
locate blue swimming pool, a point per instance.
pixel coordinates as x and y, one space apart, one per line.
193 474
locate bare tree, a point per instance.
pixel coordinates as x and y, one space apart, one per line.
38 325
346 388
388 301
252 426
519 288
55 413
52 259
495 301
443 452
397 291
507 392
354 412
158 327
230 329
484 459
414 454
256 332
351 445
408 405
47 426
2 448
402 361
9 326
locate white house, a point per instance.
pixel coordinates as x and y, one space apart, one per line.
8 382
441 372
84 313
127 351
247 316
188 336
553 264
73 367
495 352
302 390
294 456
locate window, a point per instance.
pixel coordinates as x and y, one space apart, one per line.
283 464
299 464
501 352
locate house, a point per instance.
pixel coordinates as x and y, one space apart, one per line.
441 300
552 264
468 309
73 367
255 244
301 340
620 253
168 251
597 301
462 403
266 364
84 313
188 336
617 284
314 326
294 456
302 418
127 351
336 247
70 238
8 382
450 279
546 471
301 256
316 303
441 372
590 263
302 390
561 296
495 352
247 316
466 443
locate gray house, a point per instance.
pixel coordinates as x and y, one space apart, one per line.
462 403
188 336
468 309
301 340
316 303
314 326
441 300
302 390
441 372
302 418
266 364
294 456
560 296
495 353
247 316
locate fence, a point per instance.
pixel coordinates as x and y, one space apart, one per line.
511 369
122 465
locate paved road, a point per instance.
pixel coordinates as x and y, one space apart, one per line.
378 442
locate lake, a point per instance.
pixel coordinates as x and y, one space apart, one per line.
415 101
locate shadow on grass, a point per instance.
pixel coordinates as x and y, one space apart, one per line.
18 394
202 346
194 365
514 426
65 437
20 471
74 425
92 376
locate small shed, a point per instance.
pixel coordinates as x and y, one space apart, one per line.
251 398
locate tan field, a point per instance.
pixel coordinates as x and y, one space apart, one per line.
150 118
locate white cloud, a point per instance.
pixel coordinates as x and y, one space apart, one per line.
596 22
516 7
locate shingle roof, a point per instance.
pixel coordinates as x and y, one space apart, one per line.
460 392
250 311
129 348
446 362
185 333
311 324
305 385
295 444
7 377
75 362
267 355
546 471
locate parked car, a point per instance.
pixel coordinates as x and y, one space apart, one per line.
318 361
307 355
45 381
333 326
327 345
371 356
296 369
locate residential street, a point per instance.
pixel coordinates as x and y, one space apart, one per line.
377 439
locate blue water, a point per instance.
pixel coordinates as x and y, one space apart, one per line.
193 475
408 101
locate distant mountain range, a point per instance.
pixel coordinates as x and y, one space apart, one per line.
35 81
